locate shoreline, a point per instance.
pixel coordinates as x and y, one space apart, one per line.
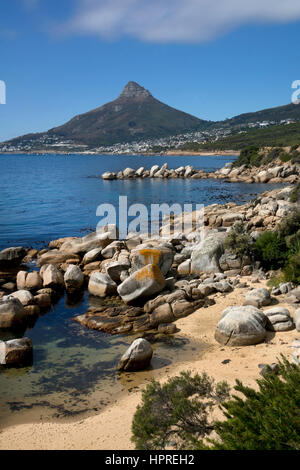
169 153
220 362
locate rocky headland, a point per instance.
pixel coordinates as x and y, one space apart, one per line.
145 285
275 172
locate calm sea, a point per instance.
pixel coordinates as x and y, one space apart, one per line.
50 196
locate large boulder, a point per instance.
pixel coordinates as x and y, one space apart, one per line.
116 268
206 255
88 243
101 285
161 256
241 326
73 278
12 314
258 297
31 281
16 352
142 283
279 319
52 277
24 296
11 257
137 357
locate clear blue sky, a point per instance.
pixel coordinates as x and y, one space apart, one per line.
62 58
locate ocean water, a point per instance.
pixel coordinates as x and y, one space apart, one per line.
49 196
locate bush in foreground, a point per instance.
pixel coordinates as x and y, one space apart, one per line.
267 419
178 414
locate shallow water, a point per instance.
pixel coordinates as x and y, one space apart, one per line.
46 197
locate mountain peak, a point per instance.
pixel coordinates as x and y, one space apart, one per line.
134 90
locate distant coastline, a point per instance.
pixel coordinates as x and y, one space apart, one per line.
169 153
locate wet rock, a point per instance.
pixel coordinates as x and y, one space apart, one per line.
73 278
43 300
109 175
30 281
137 357
24 296
101 285
241 326
16 352
52 277
142 283
12 313
11 257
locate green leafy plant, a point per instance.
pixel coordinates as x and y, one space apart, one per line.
267 419
177 413
271 249
239 241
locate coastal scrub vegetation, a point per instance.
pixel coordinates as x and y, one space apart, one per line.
239 241
176 415
279 249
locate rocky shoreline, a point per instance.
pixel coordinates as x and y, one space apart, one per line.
145 285
276 172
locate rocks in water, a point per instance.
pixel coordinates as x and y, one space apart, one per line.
30 281
297 319
16 352
109 175
52 277
43 300
161 256
92 255
24 296
241 326
258 297
112 320
101 285
11 257
12 314
279 319
89 242
137 357
206 255
73 278
142 283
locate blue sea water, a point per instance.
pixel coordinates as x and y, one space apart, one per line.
43 197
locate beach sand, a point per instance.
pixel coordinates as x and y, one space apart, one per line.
111 429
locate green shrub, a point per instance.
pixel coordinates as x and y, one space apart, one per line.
248 156
176 413
295 194
292 268
270 249
267 419
239 241
285 157
289 224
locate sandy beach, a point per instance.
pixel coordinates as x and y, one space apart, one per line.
111 429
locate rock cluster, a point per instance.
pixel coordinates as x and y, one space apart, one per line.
286 172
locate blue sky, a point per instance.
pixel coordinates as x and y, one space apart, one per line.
213 59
